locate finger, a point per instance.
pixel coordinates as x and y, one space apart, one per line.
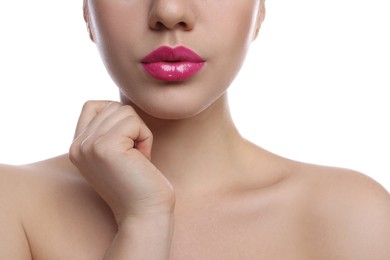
88 114
103 122
133 128
93 113
129 133
89 111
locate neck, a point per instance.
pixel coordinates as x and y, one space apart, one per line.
198 150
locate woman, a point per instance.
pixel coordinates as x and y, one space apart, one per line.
164 174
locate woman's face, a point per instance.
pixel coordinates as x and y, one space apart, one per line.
173 83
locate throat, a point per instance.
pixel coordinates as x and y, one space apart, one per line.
194 152
198 150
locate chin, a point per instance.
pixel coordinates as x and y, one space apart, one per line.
172 115
174 109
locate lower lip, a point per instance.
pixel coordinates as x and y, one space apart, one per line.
172 71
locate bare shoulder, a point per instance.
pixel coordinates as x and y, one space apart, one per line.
350 213
44 204
23 183
14 191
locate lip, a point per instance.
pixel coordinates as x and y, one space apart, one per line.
172 64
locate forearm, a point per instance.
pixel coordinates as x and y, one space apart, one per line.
146 238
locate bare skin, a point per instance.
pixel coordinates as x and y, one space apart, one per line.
271 208
165 175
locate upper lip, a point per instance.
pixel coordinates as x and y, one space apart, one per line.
168 54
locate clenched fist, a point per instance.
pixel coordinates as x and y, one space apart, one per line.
112 150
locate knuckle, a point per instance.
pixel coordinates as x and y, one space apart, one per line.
84 147
113 104
129 109
89 148
74 152
89 104
97 105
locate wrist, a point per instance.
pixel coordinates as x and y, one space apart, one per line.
144 220
142 236
143 214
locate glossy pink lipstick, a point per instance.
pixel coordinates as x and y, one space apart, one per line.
172 64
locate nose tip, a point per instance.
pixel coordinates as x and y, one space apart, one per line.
171 15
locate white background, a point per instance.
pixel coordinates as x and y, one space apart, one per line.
314 87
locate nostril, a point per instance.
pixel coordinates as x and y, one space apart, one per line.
159 26
171 15
183 24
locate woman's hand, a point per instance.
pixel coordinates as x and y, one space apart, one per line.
112 150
